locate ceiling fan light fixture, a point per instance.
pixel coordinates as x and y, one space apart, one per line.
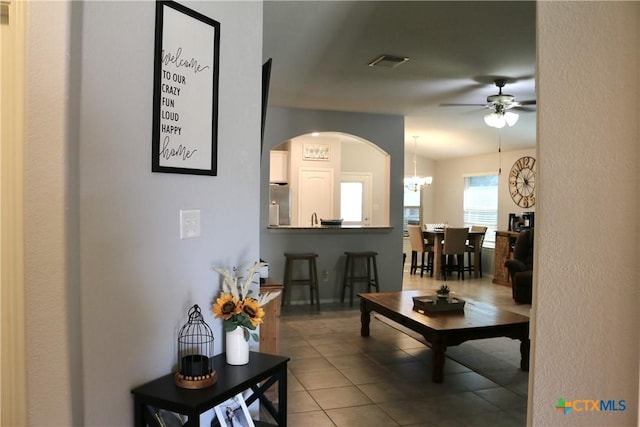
500 119
495 120
502 98
511 118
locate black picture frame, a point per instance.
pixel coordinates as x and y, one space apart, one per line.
266 80
185 91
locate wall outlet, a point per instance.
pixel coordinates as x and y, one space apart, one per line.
325 275
189 223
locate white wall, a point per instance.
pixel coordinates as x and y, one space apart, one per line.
585 340
448 185
424 165
364 158
122 273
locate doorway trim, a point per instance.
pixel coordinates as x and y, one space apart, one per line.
13 378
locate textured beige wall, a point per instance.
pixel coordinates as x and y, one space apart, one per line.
48 382
586 301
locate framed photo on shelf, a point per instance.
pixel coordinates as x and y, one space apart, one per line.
234 413
316 152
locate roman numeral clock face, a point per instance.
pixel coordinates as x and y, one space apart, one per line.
522 182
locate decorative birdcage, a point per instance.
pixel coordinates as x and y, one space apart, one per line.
195 353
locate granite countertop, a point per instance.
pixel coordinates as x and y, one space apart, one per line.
330 228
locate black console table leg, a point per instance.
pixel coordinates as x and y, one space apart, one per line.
282 398
138 414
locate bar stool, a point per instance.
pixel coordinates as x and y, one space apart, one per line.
311 280
471 249
370 276
418 246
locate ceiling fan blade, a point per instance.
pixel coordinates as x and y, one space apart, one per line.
525 109
446 104
530 102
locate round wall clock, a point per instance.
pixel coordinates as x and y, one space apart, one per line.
522 182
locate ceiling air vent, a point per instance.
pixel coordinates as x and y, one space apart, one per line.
389 61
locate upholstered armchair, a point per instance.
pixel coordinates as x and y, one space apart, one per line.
521 267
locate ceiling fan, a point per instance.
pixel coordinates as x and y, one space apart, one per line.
499 104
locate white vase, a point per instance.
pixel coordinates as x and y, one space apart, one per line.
237 349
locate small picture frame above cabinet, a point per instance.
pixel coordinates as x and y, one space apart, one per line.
316 152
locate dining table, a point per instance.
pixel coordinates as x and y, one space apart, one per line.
437 236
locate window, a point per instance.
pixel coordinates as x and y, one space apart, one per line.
411 211
355 198
481 205
351 201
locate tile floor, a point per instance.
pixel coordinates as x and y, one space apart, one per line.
337 378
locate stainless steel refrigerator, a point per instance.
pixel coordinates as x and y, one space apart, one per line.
280 196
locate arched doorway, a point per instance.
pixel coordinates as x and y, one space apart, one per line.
332 174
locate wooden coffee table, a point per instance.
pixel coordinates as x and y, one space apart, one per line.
477 321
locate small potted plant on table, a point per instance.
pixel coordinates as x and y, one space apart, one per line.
443 294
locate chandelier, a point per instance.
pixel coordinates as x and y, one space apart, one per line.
415 182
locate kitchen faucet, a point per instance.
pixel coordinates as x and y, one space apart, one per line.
314 219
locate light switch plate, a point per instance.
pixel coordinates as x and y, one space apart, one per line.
189 223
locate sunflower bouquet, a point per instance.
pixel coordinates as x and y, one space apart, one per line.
235 305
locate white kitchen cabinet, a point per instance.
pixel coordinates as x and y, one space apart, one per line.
279 167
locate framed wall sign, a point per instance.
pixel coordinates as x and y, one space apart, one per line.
185 91
315 152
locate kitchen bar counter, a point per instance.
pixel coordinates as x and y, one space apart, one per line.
330 243
325 229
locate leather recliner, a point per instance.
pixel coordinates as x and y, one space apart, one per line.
521 267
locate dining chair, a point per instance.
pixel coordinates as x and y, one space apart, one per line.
471 250
455 246
418 245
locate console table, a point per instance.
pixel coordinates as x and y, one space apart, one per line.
262 371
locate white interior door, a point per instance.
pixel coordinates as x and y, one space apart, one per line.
355 198
315 195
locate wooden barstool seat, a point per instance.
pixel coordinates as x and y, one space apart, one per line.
311 280
369 273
